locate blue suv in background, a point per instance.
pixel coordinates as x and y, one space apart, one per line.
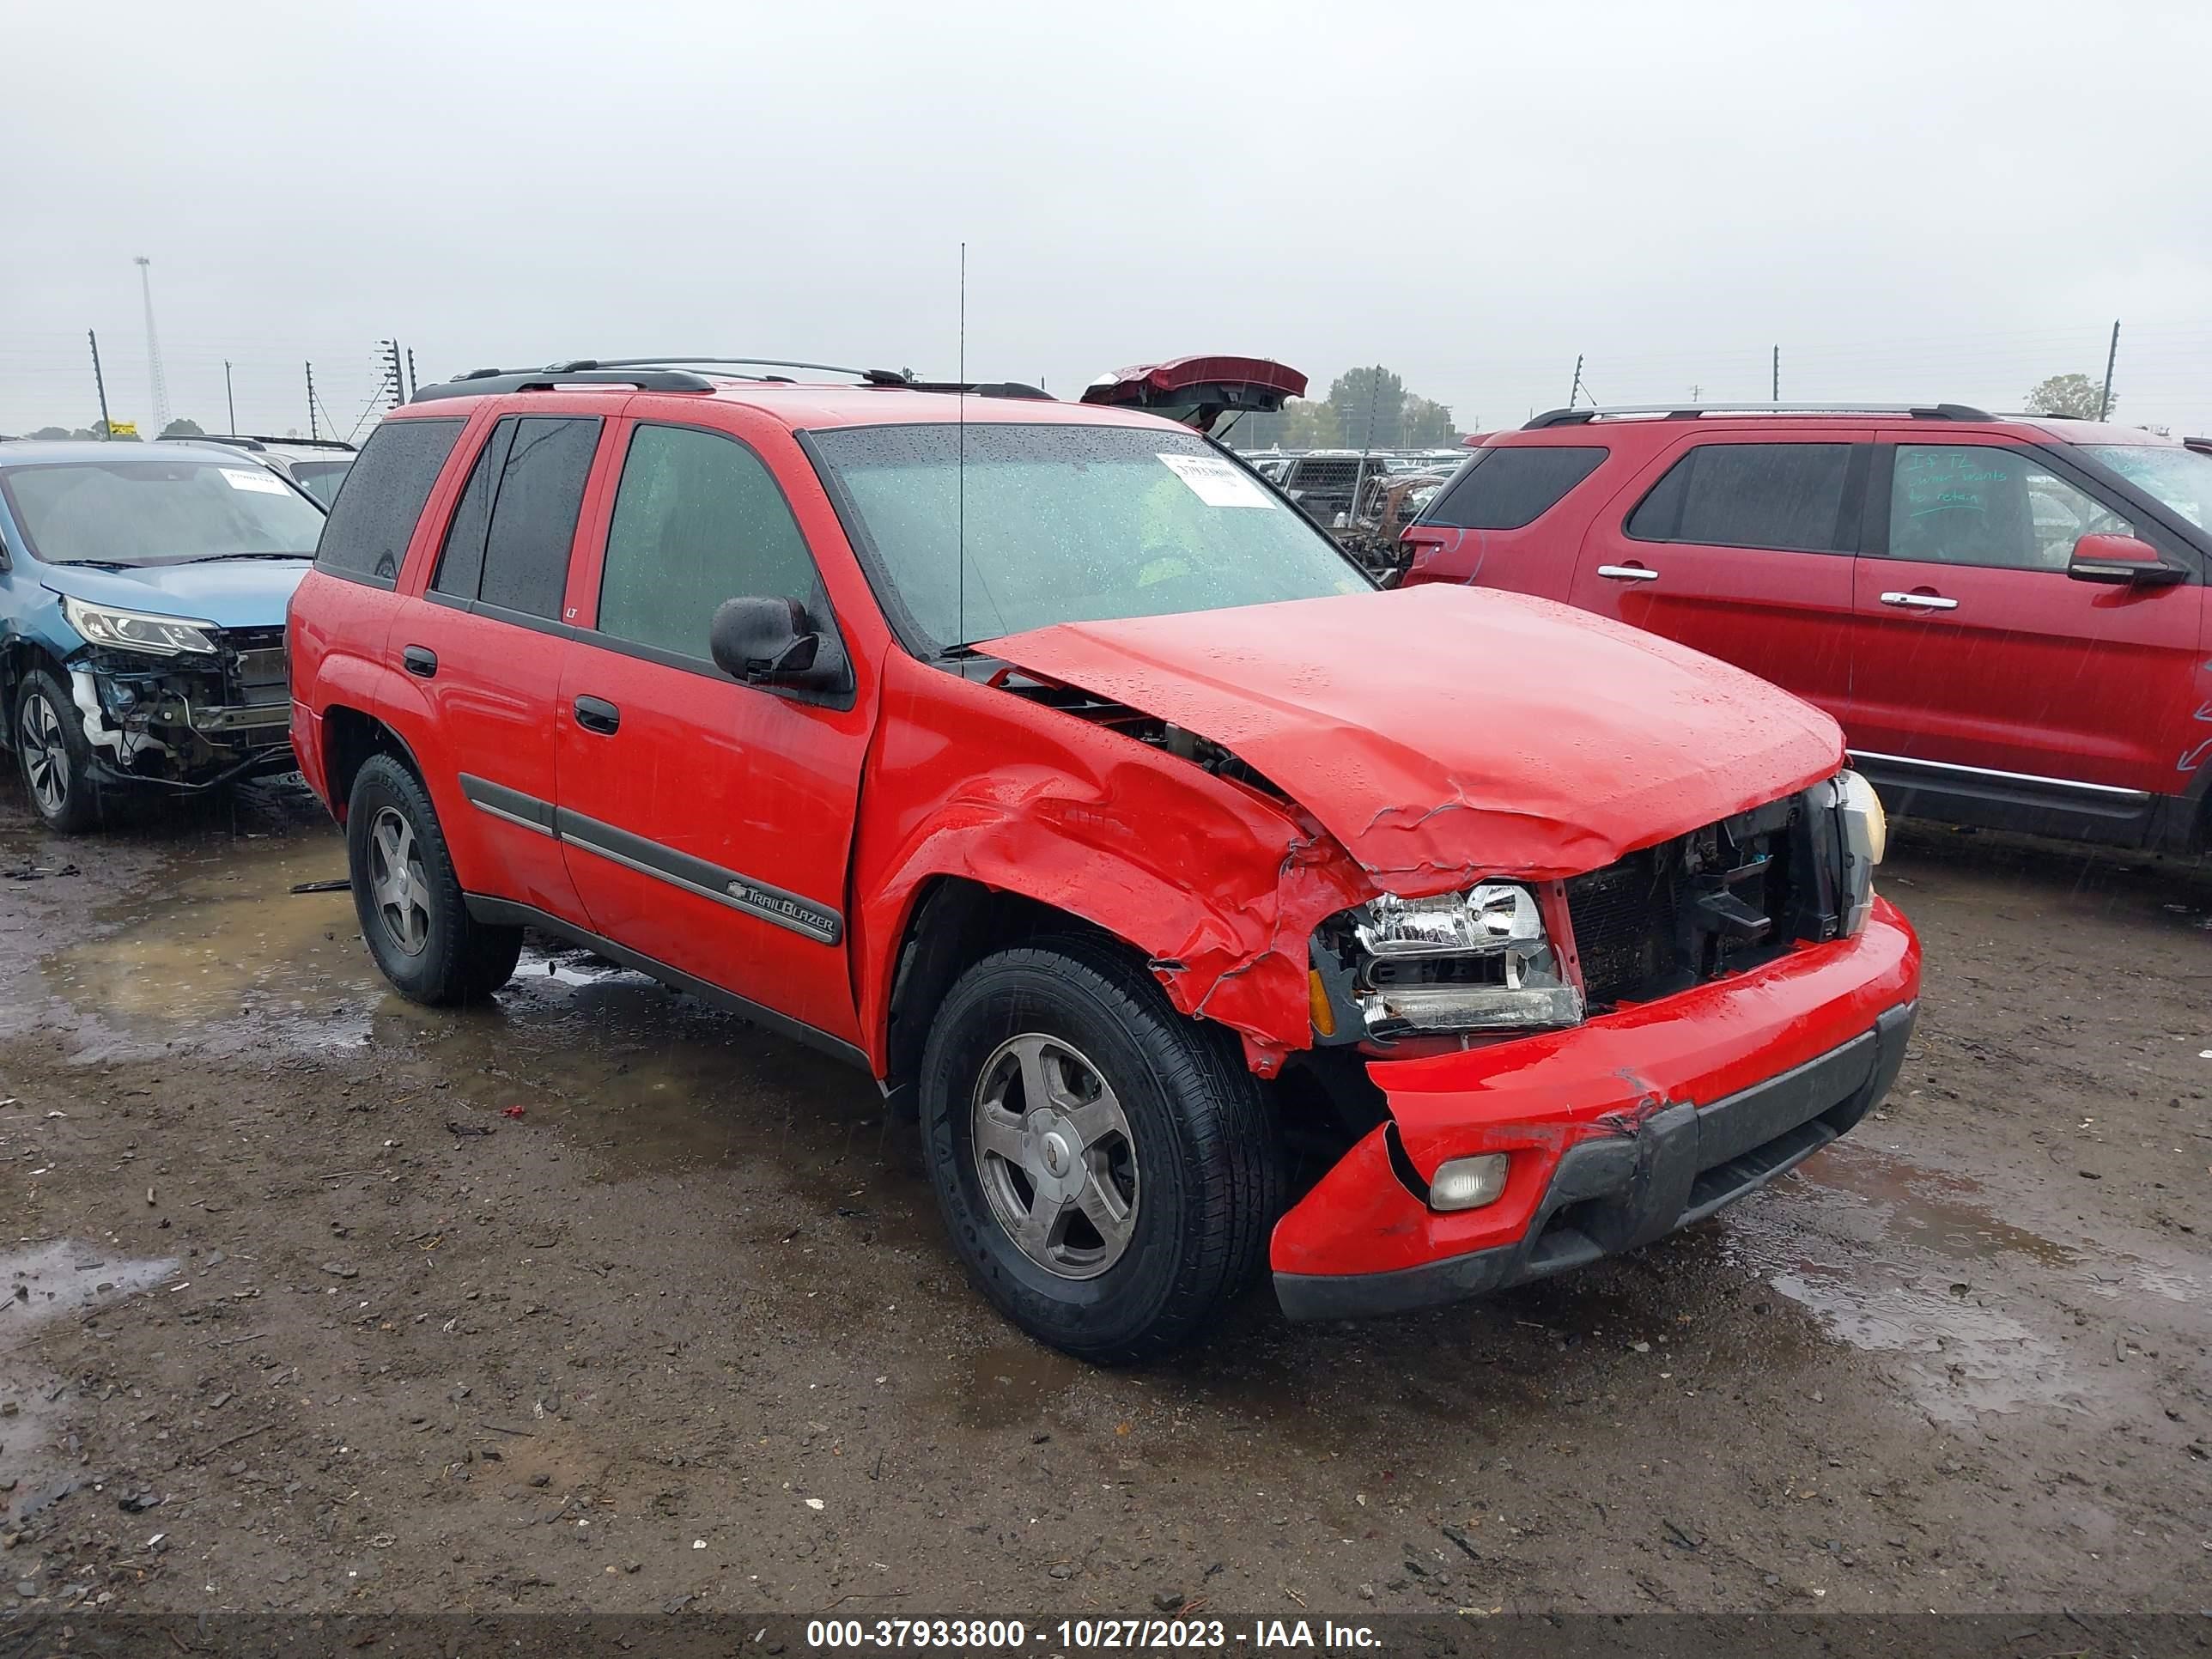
142 591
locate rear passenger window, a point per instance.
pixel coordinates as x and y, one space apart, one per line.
460 561
698 520
1506 489
366 535
534 498
1780 496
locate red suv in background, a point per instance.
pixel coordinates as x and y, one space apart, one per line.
2006 615
1212 906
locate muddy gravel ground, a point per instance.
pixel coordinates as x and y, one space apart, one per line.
599 1299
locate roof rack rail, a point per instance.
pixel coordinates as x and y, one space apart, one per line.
1552 417
662 374
490 382
722 362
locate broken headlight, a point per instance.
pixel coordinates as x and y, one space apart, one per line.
1865 829
137 630
1473 961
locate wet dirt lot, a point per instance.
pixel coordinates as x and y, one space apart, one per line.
300 1312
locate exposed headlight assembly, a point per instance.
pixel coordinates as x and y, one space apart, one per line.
1865 830
137 630
1475 961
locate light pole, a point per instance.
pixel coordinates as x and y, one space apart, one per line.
153 348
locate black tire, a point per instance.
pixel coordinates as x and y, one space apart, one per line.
428 945
54 759
1204 1171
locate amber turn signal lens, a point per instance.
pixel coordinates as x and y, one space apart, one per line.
1324 1017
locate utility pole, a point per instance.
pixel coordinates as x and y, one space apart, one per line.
229 401
410 371
395 387
1577 391
100 384
154 348
313 431
2111 356
1775 389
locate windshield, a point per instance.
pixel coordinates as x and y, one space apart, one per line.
2180 478
321 479
1069 524
172 510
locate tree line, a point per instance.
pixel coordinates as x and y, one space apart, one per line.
180 428
1366 408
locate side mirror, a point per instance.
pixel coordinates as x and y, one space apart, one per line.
769 642
2121 562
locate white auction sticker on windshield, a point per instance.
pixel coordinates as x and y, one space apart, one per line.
262 483
1217 483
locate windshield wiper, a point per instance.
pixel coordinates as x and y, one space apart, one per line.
213 558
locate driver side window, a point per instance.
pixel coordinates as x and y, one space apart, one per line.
698 518
1987 505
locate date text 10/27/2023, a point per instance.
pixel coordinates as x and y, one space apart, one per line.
1090 1635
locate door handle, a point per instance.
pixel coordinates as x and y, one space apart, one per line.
419 660
1920 601
598 715
1627 573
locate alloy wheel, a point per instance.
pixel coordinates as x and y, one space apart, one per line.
397 882
1053 1152
45 754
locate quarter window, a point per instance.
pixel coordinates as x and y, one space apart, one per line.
698 520
1980 504
1506 489
366 535
1789 496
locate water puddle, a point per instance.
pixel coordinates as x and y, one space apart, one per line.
40 1463
1933 1209
218 953
1908 1262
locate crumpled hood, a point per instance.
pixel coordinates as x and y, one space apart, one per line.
1442 733
229 592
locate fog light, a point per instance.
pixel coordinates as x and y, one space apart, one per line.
1468 1183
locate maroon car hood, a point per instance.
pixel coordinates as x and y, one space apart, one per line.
1443 733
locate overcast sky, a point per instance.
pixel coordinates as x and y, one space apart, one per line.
1942 200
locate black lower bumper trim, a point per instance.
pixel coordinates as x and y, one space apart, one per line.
1617 1192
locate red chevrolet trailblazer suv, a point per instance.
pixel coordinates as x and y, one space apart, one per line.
2006 615
1211 906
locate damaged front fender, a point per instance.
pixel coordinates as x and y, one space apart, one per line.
1219 885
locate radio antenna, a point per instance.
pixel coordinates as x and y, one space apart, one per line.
961 441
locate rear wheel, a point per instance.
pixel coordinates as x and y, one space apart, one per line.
1108 1168
411 909
53 756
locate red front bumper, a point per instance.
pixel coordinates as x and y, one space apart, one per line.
1619 1130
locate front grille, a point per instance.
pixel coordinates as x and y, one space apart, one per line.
1718 900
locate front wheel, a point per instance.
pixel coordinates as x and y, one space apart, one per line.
55 758
411 909
1108 1168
